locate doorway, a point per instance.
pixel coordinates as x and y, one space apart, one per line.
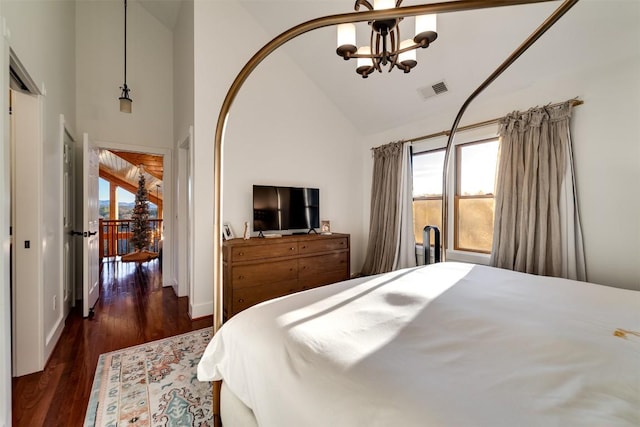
158 162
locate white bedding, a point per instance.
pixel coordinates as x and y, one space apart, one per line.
442 345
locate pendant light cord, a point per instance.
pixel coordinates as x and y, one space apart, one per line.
125 43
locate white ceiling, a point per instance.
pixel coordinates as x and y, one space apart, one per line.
469 47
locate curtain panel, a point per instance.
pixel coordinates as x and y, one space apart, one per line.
536 226
391 243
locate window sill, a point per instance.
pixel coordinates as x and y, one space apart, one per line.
460 256
465 256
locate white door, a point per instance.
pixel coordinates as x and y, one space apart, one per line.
68 207
90 224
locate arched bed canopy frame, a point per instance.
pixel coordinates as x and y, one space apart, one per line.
361 16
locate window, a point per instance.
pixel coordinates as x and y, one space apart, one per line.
474 199
472 223
427 191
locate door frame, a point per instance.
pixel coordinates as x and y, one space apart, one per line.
184 210
168 262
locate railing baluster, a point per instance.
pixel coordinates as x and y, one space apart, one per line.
115 236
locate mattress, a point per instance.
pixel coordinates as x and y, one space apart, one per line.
446 344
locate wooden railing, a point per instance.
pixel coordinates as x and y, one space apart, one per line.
115 236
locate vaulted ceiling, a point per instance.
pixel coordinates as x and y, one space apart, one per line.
469 47
122 169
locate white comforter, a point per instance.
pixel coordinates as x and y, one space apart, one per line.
443 345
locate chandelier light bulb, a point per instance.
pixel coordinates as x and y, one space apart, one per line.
426 29
346 34
346 40
383 4
364 66
409 58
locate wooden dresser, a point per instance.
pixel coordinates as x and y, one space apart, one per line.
259 269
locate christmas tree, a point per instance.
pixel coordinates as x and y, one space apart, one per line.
140 217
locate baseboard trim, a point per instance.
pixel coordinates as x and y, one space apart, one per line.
52 339
200 310
171 282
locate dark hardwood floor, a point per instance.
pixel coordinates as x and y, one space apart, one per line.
133 309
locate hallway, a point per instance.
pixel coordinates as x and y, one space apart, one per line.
133 309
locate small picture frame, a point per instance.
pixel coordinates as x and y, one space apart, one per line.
227 232
325 227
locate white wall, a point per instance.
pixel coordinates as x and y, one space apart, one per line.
183 89
605 133
277 134
42 35
100 68
183 57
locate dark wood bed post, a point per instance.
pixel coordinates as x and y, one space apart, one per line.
217 387
266 50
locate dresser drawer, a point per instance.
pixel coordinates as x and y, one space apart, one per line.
246 297
312 266
322 245
263 273
322 279
265 251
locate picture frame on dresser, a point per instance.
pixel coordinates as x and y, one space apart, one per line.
227 232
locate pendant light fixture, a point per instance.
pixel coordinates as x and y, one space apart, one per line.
125 101
386 47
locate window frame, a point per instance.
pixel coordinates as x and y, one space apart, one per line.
423 198
457 196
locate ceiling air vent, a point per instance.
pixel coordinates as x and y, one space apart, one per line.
433 90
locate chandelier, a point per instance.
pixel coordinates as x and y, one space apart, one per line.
385 47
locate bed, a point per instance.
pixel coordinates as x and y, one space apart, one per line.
446 344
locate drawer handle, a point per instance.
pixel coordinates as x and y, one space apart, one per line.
304 247
291 249
304 267
240 300
291 269
240 277
241 253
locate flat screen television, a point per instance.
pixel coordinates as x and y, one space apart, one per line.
285 208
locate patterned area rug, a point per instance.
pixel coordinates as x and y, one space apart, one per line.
152 384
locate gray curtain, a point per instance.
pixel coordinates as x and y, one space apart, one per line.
536 227
391 243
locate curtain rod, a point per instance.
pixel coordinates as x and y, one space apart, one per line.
574 102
